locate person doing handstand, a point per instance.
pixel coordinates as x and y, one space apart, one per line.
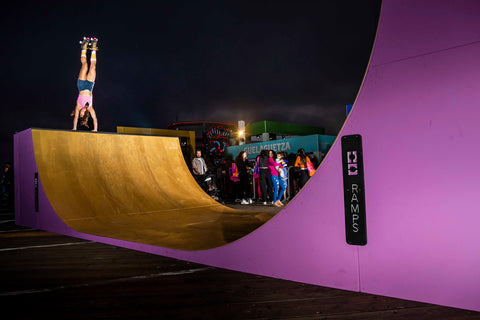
86 80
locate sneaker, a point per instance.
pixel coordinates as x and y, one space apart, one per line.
250 201
244 202
265 203
237 200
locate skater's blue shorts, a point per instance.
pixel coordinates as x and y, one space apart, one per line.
85 85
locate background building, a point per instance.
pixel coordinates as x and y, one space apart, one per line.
270 130
316 146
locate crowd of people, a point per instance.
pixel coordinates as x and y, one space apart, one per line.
269 179
270 171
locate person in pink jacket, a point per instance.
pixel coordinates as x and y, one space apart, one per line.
274 167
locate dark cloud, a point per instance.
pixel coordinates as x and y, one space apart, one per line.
162 61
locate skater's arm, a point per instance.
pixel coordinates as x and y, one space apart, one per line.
75 117
94 118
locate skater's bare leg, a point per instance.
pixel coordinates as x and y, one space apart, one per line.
92 72
83 70
83 60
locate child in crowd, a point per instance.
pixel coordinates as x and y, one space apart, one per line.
283 173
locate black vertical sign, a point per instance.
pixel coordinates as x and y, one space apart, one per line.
354 190
35 182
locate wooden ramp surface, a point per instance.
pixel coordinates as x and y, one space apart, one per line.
134 188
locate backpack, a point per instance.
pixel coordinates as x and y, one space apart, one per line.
234 173
256 169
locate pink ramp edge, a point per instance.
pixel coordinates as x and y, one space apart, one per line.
417 112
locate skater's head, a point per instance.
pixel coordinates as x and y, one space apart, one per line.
199 153
84 116
84 110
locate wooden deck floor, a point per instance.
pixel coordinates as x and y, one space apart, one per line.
49 275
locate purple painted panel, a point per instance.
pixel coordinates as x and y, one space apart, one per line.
411 28
24 158
419 119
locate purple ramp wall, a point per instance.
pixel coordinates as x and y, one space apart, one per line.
417 112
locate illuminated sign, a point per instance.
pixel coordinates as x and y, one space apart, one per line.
217 140
218 133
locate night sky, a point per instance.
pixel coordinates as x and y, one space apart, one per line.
166 61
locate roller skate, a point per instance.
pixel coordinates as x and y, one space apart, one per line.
84 43
93 44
